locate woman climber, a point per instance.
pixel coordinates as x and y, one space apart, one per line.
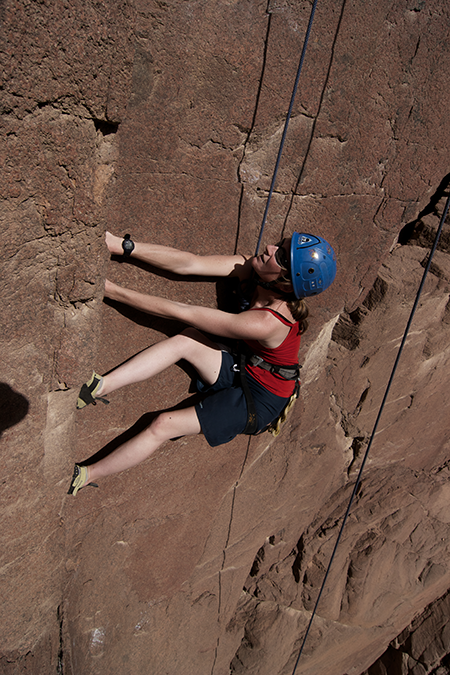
239 396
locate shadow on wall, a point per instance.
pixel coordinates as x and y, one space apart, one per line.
142 423
415 230
13 407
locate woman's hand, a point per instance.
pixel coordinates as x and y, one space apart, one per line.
114 244
111 290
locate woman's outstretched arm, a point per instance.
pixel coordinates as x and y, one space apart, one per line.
261 326
183 262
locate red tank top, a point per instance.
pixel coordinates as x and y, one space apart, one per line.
285 354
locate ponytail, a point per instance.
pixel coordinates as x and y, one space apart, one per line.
299 310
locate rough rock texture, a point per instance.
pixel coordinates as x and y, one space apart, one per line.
421 648
394 549
164 119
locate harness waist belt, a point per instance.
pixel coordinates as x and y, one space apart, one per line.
287 372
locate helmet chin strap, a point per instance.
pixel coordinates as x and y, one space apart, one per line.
272 286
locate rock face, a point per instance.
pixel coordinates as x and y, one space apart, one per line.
420 647
164 120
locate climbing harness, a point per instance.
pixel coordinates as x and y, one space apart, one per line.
291 372
366 454
287 372
252 419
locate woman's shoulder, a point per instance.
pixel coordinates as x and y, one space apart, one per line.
284 315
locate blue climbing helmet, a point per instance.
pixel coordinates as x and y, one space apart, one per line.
313 264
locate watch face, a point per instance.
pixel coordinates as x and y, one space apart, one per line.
127 246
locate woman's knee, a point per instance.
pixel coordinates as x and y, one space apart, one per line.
192 334
204 354
163 427
181 345
192 343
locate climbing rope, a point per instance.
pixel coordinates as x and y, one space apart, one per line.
405 335
286 124
358 480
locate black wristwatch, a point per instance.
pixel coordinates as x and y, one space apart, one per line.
127 245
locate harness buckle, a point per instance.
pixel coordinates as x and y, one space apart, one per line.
256 360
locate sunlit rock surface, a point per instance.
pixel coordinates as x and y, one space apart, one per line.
164 120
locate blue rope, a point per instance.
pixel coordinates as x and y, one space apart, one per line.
358 480
291 105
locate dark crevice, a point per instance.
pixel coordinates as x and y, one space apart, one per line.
263 70
297 564
412 231
357 446
257 562
346 331
444 663
106 128
60 662
227 541
215 657
362 398
437 196
238 230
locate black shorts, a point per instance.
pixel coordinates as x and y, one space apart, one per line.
223 412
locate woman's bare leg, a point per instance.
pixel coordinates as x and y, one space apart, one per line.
166 426
191 345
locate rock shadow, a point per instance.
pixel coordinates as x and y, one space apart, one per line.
227 291
13 407
227 300
415 231
141 424
167 327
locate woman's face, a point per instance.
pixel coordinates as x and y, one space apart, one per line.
267 265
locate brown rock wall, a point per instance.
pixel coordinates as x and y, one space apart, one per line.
163 119
422 648
64 86
394 549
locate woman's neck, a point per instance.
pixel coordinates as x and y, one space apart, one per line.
264 297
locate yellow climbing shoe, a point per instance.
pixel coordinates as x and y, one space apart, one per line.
88 391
